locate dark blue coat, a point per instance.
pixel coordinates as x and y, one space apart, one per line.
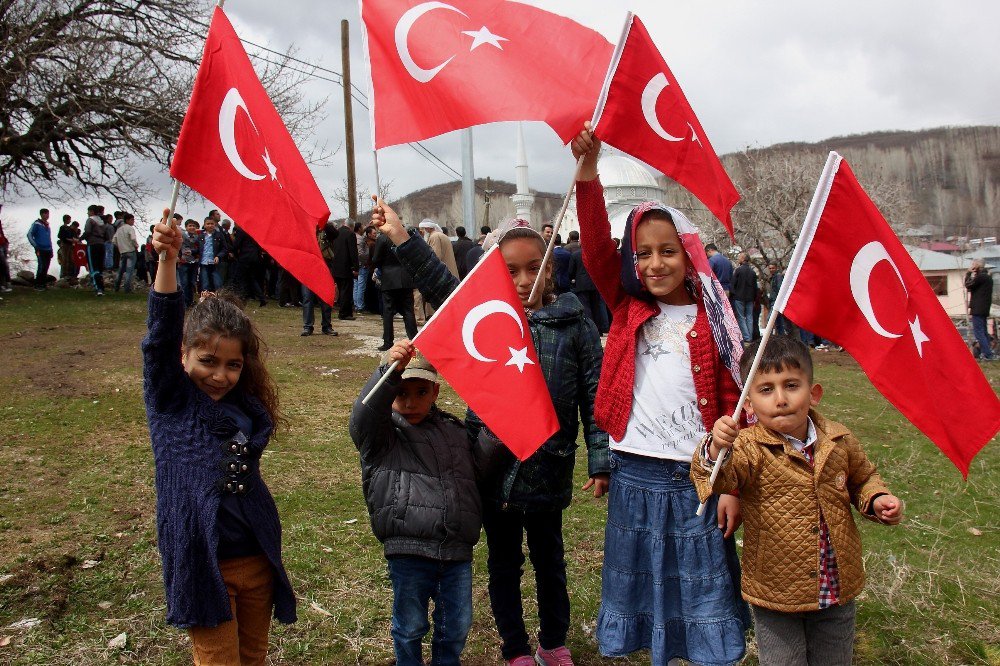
189 432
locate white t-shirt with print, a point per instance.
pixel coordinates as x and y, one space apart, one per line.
665 421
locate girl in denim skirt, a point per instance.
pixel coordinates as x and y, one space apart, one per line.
671 578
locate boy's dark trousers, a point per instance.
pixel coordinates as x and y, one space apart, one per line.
187 276
42 274
812 638
95 265
505 531
415 582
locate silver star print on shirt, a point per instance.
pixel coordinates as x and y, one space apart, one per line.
655 350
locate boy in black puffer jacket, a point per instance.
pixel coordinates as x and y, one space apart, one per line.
418 474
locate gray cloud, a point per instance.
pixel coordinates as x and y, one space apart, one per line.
756 73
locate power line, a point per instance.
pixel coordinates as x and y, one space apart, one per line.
357 94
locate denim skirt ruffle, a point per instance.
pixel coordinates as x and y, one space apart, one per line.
671 583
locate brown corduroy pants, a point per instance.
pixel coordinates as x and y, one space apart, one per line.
243 640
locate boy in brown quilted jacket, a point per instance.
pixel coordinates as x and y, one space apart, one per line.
798 474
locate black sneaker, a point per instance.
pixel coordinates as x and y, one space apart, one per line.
385 348
329 331
305 332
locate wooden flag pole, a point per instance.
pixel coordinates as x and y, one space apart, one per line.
378 384
555 230
170 215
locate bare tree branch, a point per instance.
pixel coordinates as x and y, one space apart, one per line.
91 89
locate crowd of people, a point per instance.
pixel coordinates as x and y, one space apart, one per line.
216 254
654 401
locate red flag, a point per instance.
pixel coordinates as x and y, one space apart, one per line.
235 151
438 67
852 282
480 342
644 113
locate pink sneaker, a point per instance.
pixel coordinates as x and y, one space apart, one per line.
559 656
523 660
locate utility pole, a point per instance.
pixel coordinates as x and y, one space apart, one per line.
487 195
352 178
468 181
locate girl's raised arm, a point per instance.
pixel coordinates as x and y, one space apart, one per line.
163 373
166 238
600 255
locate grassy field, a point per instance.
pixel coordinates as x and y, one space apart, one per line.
77 530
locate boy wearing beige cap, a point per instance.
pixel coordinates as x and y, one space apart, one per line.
419 476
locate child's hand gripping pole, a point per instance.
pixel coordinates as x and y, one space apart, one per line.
765 336
173 205
401 353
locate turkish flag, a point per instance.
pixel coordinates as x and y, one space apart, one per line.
480 342
438 67
646 114
235 151
852 282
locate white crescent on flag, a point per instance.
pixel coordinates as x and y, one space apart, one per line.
476 315
232 102
403 28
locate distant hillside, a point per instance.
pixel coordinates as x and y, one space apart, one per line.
443 204
949 176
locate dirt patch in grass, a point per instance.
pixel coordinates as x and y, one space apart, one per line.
64 370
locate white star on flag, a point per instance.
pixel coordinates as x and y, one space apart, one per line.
519 357
484 36
271 169
919 338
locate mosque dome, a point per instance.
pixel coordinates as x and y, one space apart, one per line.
627 183
618 171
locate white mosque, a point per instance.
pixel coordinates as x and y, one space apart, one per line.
627 183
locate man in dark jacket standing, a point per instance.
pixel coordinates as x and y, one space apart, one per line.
980 285
744 294
345 269
461 246
249 271
95 236
397 291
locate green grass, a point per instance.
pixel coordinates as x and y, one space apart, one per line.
76 484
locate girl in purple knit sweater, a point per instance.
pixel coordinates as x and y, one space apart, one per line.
211 407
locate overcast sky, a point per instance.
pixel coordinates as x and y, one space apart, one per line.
756 73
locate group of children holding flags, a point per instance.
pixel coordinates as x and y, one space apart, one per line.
655 417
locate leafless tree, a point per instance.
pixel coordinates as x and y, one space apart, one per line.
776 189
92 89
341 198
